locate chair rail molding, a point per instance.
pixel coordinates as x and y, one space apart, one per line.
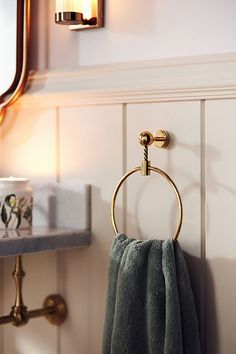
191 78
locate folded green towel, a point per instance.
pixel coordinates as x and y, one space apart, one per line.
150 305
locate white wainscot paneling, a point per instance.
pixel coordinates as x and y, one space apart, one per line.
221 226
28 149
152 208
151 203
91 150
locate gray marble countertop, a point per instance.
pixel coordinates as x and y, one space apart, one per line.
39 239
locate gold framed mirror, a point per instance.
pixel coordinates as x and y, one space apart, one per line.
14 29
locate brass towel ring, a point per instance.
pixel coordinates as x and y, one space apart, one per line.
162 173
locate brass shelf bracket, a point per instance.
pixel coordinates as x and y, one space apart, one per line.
54 307
160 140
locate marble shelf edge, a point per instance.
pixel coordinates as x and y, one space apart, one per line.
42 239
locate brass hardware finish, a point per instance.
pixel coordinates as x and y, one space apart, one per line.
145 163
77 22
19 311
54 307
161 139
69 18
145 170
162 173
17 87
59 310
146 139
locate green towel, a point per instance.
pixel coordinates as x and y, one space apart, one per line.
150 305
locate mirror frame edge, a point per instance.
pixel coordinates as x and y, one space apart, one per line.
22 58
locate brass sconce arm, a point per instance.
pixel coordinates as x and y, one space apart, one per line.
54 307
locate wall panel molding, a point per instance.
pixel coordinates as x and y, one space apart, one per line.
193 78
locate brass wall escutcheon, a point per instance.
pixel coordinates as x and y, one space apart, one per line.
59 309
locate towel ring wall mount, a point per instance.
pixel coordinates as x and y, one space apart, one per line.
161 140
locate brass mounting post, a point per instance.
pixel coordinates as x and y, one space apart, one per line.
161 140
54 307
19 311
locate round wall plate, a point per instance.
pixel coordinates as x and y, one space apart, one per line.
59 309
161 139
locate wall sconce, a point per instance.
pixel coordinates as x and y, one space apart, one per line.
80 14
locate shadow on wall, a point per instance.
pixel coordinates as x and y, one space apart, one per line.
215 302
220 305
213 156
197 274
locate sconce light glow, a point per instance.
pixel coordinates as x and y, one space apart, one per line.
80 14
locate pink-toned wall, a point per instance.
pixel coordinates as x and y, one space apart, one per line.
45 136
135 30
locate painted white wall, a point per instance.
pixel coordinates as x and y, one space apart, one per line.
141 30
135 30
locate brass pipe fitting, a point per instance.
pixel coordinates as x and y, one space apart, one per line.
54 307
19 311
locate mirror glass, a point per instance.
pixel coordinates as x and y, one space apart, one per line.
8 35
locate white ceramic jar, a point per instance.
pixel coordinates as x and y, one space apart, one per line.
16 203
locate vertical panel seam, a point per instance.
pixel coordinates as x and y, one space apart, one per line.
58 177
124 167
58 167
203 225
1 304
58 351
46 33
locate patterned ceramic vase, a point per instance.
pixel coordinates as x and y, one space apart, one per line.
16 204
